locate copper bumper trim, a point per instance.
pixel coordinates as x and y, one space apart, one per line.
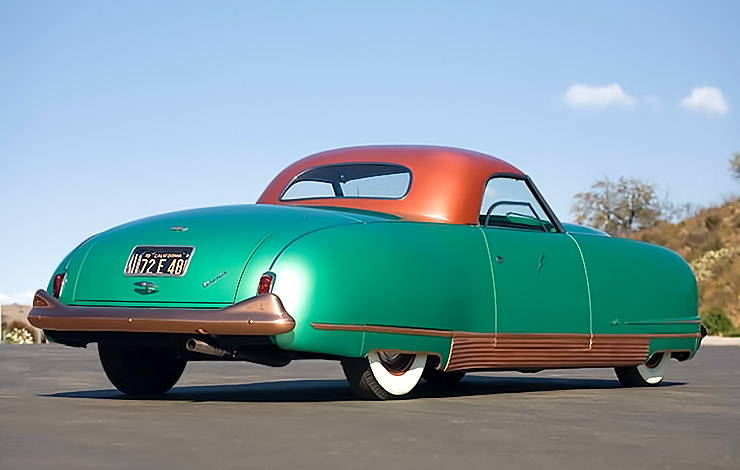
259 315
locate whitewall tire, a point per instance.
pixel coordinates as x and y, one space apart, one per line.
649 374
384 375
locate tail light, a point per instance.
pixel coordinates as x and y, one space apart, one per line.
39 301
57 285
266 283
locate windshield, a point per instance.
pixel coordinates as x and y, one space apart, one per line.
509 202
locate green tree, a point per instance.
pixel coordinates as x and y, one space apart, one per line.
717 322
735 165
621 206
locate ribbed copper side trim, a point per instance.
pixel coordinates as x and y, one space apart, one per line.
529 350
521 351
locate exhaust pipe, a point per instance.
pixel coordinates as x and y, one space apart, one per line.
273 359
201 347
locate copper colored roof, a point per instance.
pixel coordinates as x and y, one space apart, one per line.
447 183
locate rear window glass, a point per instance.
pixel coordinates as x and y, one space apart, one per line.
350 180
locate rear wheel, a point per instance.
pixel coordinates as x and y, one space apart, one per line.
648 374
384 375
439 378
141 371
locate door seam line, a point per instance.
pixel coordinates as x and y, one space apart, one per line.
493 282
588 292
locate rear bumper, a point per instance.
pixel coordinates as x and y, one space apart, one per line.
259 315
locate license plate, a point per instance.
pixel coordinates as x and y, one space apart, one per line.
164 261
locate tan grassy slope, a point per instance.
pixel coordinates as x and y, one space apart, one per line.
710 242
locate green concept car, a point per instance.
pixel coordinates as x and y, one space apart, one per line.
400 262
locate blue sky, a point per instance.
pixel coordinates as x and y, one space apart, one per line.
111 111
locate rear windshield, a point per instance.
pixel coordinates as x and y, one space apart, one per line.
350 180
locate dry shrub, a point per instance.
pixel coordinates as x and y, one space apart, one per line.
16 332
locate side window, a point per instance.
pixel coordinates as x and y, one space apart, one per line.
509 202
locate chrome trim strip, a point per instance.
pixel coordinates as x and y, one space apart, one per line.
666 322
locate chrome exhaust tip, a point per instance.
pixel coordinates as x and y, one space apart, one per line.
201 347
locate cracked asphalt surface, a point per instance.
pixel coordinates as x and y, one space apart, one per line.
57 410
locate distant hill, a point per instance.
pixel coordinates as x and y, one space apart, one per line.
710 242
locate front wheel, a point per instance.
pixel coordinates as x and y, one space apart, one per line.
141 371
648 374
384 375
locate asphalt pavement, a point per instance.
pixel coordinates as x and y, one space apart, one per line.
57 410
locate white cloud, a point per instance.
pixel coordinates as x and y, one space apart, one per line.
23 298
586 96
707 100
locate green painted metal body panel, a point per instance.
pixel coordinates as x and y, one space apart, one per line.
637 287
408 274
362 268
539 280
225 240
575 228
675 344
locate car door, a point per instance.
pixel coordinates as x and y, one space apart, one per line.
539 279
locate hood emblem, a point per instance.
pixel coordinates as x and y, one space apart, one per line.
218 277
146 287
179 229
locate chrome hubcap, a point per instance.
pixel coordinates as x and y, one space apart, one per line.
654 360
396 363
